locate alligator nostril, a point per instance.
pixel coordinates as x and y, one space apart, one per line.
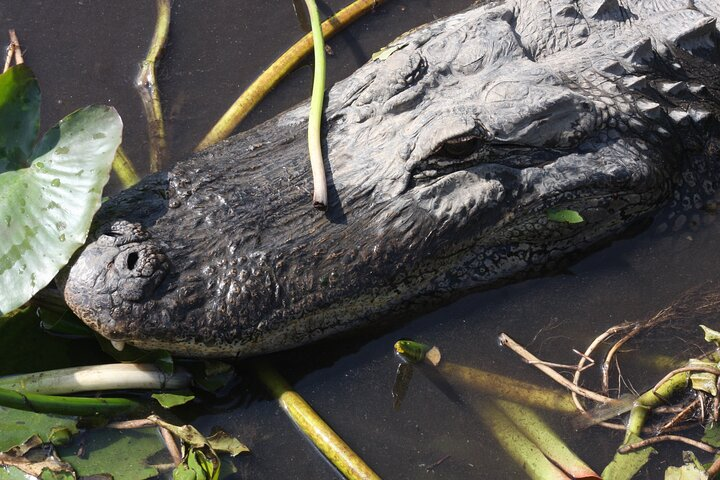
132 259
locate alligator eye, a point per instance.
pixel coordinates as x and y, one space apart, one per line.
459 147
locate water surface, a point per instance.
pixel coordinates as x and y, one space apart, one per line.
87 52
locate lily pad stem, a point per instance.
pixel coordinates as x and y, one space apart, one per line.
80 406
320 197
124 169
279 69
310 423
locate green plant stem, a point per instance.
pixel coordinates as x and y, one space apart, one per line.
279 69
508 388
115 376
124 169
146 83
320 196
538 432
79 406
651 399
517 445
302 414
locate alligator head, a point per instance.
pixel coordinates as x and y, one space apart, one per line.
444 157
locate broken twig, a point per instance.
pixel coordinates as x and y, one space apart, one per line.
146 83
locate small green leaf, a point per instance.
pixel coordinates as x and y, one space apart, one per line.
59 436
564 216
385 52
48 474
212 375
688 471
624 466
703 381
711 335
19 116
196 466
169 400
411 351
712 435
47 207
224 442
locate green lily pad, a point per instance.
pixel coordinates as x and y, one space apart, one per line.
12 473
124 454
19 116
46 208
17 426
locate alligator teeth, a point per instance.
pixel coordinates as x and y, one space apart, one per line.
119 346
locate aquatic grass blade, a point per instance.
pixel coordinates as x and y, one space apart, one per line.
46 209
549 443
517 445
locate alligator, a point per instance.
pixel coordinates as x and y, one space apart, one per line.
446 157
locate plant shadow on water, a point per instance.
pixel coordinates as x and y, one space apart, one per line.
88 52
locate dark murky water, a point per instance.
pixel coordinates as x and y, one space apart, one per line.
87 51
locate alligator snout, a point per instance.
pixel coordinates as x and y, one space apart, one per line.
134 265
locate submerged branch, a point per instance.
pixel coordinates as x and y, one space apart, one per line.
533 360
146 83
279 69
13 51
631 447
